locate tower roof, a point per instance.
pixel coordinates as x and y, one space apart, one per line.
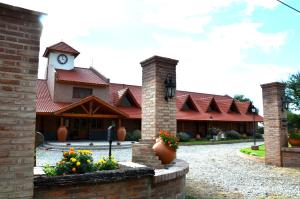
61 47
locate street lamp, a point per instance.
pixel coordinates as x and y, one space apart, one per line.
170 87
254 112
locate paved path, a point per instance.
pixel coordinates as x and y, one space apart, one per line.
216 171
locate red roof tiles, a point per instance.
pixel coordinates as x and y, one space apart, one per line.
80 76
117 91
61 47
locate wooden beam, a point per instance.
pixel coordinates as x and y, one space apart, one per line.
88 116
94 111
91 108
84 108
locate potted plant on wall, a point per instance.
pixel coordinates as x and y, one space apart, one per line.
166 146
294 138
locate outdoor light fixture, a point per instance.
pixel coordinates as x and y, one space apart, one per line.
170 87
254 112
284 103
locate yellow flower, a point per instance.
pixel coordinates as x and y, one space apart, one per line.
73 159
78 164
88 161
102 161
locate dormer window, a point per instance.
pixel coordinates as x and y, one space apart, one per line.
213 107
189 105
82 92
233 108
126 101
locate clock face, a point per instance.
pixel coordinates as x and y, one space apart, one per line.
62 58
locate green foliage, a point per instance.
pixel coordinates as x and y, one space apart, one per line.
293 121
79 162
107 163
49 170
258 136
259 153
133 136
183 137
233 135
293 91
241 98
169 139
294 135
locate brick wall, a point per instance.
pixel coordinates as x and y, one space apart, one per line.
157 113
275 127
290 157
20 31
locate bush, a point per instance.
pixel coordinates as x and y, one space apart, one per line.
183 137
133 136
107 164
232 135
212 132
294 135
258 136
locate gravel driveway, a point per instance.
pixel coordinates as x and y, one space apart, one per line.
216 171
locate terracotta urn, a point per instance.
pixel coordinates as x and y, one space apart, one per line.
198 137
121 134
62 133
295 142
164 153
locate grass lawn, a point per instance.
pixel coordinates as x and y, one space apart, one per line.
258 153
204 142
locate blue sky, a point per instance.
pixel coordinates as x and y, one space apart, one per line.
223 47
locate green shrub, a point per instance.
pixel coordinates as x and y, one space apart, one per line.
232 135
107 164
49 170
133 136
211 132
183 137
294 135
258 136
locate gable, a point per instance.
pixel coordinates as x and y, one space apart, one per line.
189 105
213 107
233 108
126 99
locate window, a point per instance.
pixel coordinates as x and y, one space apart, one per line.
127 101
233 108
96 124
189 106
82 92
213 107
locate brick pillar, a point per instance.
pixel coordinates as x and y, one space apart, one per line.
157 113
275 122
20 31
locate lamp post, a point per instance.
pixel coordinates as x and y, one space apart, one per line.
254 112
110 131
170 87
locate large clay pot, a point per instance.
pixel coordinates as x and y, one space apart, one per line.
164 153
62 133
295 142
121 134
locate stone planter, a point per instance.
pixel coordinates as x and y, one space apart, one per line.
164 153
295 142
62 133
121 134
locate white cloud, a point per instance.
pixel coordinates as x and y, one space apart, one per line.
253 4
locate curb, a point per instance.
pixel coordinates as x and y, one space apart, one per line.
251 157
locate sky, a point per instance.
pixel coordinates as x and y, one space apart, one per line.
223 47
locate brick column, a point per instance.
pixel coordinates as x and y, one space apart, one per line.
20 31
157 113
275 122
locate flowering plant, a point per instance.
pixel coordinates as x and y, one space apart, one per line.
75 162
169 139
107 163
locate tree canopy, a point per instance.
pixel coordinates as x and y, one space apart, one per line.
241 98
293 91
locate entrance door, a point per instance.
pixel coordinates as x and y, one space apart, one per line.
79 128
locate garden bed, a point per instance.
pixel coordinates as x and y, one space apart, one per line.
209 142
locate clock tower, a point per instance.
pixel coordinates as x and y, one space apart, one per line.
61 56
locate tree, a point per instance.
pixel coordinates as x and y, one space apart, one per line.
241 98
293 91
293 121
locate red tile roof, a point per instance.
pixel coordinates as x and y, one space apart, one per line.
61 47
201 101
85 76
44 103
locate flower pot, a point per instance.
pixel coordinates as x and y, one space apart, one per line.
121 134
295 142
62 133
164 153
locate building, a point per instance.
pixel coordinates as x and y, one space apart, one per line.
86 102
